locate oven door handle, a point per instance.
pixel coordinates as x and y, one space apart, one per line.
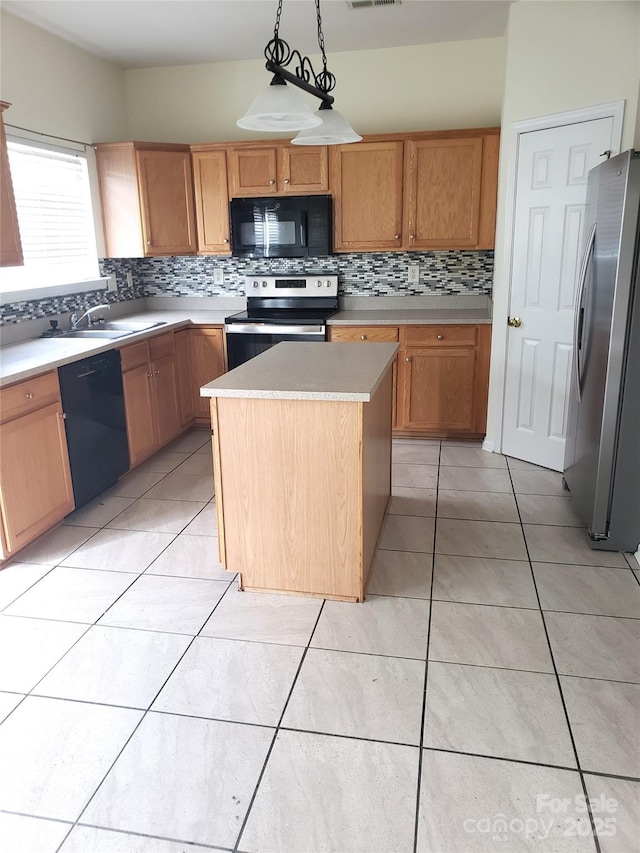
271 329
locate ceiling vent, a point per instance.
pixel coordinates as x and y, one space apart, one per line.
365 4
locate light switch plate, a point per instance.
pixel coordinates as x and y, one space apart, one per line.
112 284
414 274
218 275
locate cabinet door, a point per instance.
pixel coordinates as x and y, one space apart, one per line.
207 363
138 406
10 245
436 388
303 169
212 202
367 186
166 197
252 171
444 183
35 481
183 367
165 399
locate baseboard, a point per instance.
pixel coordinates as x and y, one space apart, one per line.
637 556
489 446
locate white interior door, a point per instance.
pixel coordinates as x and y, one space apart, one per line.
547 250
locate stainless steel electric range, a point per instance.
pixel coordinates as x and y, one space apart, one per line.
280 308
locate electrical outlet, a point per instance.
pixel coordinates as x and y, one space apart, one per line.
218 275
414 274
129 280
112 284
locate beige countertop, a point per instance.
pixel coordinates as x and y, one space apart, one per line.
410 316
308 371
29 358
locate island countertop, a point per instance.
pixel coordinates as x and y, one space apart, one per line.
308 371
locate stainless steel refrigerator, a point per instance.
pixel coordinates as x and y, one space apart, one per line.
602 459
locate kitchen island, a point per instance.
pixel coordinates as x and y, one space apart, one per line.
302 466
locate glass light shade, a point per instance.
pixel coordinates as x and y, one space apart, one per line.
280 109
334 130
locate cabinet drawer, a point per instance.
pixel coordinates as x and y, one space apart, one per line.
441 336
29 395
162 345
371 334
134 356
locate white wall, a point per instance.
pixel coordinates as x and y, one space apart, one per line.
560 56
425 87
57 88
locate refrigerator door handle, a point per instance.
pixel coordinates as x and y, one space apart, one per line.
577 320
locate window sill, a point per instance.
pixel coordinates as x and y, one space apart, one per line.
53 291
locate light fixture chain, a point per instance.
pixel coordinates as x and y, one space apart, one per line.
276 28
320 35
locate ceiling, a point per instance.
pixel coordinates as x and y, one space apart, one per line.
147 33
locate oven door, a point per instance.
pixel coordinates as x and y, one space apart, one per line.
246 340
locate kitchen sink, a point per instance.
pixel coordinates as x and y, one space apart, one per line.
114 329
127 326
94 333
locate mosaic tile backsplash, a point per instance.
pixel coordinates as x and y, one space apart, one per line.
362 274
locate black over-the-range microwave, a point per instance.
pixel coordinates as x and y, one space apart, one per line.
282 227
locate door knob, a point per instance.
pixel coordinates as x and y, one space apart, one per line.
515 322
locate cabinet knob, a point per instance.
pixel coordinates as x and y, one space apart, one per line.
62 415
157 372
363 337
514 322
412 236
287 181
271 183
30 395
408 358
225 240
149 243
440 337
396 236
149 375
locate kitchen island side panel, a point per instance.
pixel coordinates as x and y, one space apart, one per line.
376 468
290 481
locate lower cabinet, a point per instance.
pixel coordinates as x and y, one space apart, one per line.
150 384
441 376
35 480
201 358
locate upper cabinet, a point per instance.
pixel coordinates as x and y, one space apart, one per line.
430 191
10 245
260 170
366 183
146 190
212 201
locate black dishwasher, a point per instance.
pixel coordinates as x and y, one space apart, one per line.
93 405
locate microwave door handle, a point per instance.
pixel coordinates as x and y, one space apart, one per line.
303 228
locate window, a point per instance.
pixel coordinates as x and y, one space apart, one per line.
55 218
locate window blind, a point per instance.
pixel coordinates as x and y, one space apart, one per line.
54 211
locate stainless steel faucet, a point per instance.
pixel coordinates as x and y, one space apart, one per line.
75 320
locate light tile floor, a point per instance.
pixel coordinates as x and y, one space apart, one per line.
487 686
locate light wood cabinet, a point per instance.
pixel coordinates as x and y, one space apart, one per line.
443 377
212 202
149 379
185 383
146 191
10 245
207 362
366 184
35 479
416 192
260 170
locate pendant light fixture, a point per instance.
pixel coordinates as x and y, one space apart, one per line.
279 108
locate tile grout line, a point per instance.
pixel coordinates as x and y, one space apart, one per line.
559 685
277 729
426 663
142 718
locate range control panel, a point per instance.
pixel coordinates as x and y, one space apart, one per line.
291 285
